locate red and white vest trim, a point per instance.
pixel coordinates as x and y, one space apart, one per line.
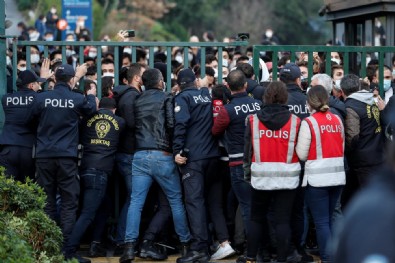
325 163
275 164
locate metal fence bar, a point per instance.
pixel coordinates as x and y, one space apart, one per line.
116 66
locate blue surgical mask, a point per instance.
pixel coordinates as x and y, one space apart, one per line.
387 84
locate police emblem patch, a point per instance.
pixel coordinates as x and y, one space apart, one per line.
102 128
177 108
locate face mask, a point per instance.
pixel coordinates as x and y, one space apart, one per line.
337 83
269 34
336 60
179 58
53 10
8 59
108 74
127 50
142 88
387 84
92 54
69 39
190 57
69 52
215 73
34 58
81 24
164 86
49 39
22 68
34 36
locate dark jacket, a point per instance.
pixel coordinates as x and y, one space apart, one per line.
193 114
274 117
18 130
297 101
59 112
154 118
232 119
364 134
125 97
337 107
255 90
100 137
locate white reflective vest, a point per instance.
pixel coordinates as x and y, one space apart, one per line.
275 164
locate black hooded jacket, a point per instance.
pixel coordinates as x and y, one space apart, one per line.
337 107
125 97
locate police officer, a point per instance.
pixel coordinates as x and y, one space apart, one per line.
19 133
192 131
99 137
272 167
232 119
321 144
59 113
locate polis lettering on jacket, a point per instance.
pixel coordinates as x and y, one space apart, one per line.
59 103
201 99
279 134
19 101
247 108
299 109
331 128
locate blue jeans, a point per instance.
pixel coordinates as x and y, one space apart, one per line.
242 191
322 202
93 188
148 166
124 164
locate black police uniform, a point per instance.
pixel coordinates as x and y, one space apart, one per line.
193 123
59 114
18 135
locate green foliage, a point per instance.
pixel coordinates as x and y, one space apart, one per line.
99 19
158 33
27 234
25 5
194 16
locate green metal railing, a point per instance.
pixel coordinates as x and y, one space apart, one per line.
351 63
167 46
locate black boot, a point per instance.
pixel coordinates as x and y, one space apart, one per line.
245 259
149 250
194 256
184 249
128 253
97 250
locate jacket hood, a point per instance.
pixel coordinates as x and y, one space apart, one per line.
363 96
274 116
118 91
338 105
251 84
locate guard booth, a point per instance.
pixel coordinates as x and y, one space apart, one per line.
362 22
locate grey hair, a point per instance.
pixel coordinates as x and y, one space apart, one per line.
349 84
324 80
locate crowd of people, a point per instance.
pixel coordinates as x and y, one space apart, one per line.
238 167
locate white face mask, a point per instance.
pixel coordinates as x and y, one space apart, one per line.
127 50
179 58
69 52
34 58
190 57
336 60
269 33
92 54
8 59
22 68
108 74
53 10
337 83
49 39
34 36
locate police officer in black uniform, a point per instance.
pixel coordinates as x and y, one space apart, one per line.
192 131
99 137
56 154
19 133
